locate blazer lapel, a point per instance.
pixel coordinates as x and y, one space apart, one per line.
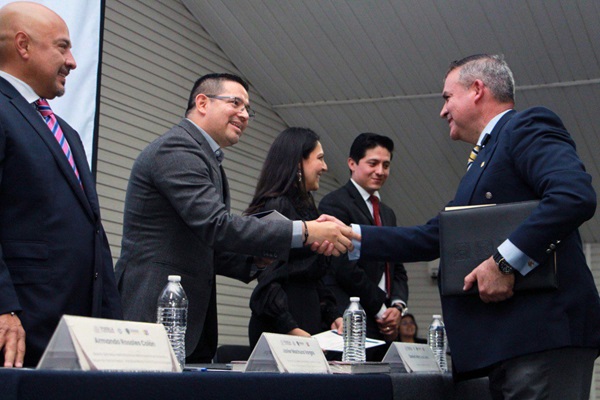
88 194
359 201
217 169
469 181
35 120
226 199
385 216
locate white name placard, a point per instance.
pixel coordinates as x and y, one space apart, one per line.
81 343
415 357
287 353
333 341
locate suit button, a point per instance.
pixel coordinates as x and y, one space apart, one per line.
548 251
95 276
552 246
488 195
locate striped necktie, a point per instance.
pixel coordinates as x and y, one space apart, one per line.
44 109
473 156
476 150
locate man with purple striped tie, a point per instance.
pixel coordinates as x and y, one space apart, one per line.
54 256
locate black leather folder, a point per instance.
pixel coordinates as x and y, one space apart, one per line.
471 234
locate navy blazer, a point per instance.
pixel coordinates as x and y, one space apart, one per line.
54 255
530 155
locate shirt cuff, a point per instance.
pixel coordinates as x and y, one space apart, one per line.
355 254
381 311
297 235
516 258
398 301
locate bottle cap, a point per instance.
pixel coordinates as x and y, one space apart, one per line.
437 316
174 278
354 298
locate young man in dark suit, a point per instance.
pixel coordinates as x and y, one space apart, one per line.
532 345
381 286
54 255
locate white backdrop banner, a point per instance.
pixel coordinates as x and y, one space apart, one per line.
78 105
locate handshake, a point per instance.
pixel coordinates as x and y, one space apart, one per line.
329 236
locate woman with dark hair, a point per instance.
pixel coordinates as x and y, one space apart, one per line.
290 297
408 330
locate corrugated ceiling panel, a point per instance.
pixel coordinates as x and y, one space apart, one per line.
345 60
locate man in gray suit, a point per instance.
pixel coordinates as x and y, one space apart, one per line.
177 218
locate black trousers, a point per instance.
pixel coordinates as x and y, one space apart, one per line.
558 374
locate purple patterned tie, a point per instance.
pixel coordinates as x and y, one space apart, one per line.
44 109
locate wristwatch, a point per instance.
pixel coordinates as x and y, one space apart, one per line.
402 308
503 265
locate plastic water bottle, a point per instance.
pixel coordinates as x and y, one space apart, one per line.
172 313
438 342
355 332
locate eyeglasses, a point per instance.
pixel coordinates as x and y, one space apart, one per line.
235 102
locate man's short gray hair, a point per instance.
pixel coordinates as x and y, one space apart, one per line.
492 70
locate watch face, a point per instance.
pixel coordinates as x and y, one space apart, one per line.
505 267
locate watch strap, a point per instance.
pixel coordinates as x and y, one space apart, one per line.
503 265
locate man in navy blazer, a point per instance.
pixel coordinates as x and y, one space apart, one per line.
531 345
54 255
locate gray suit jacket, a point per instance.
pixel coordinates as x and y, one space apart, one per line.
177 221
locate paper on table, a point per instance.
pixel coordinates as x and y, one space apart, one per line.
333 341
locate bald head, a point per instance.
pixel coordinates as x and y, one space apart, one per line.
35 47
24 16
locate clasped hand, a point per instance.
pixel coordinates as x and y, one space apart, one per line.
330 236
493 285
388 323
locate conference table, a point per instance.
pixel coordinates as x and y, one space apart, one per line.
28 384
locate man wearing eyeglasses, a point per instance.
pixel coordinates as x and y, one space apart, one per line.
177 219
